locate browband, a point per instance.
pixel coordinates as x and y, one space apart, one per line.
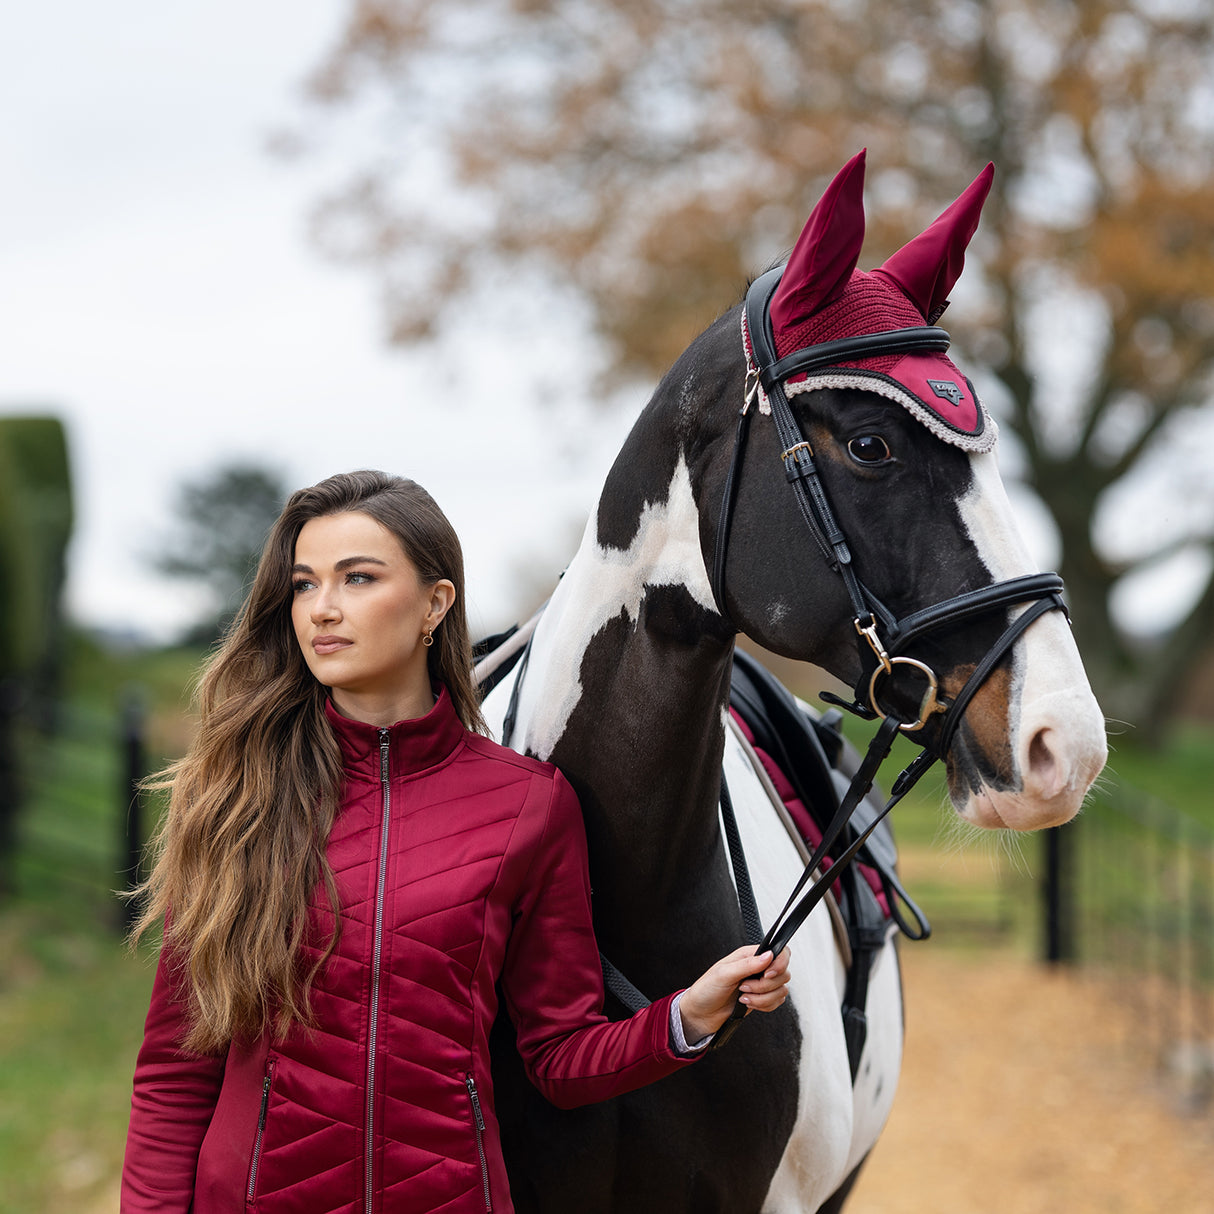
773 370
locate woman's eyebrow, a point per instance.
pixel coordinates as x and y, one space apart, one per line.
344 563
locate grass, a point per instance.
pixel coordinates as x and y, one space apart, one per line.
72 998
70 1025
1181 775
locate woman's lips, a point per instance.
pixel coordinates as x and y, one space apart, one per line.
326 644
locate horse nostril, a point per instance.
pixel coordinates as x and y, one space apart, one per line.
1044 774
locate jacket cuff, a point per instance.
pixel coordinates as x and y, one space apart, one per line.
678 1040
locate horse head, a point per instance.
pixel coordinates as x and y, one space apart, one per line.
900 513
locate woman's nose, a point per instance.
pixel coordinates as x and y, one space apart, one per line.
325 608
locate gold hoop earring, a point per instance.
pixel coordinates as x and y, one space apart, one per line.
428 639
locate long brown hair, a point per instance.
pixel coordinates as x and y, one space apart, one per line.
242 846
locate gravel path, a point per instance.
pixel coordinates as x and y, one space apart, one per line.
1020 1095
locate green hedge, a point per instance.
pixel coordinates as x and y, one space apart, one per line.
35 527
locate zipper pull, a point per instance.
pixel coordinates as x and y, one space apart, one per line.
384 742
265 1104
476 1103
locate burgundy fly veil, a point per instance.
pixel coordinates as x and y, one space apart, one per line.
823 298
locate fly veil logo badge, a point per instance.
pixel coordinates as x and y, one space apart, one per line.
946 390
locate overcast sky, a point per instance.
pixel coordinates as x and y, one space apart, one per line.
158 291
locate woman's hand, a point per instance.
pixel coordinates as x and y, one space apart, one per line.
760 982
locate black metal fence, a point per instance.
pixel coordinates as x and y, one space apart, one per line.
1124 896
1142 885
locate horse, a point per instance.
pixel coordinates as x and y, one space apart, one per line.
894 563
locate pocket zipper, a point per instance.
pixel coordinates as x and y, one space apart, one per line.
479 1119
261 1130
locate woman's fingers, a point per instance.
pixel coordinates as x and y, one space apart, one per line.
767 990
758 979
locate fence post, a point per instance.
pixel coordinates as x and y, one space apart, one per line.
1059 895
133 771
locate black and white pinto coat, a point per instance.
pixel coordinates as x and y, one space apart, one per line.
625 687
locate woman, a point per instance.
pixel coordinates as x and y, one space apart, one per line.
347 871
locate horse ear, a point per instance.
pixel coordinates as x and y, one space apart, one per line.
826 252
926 268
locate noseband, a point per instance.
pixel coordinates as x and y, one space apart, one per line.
882 637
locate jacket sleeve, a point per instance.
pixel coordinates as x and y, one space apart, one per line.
171 1106
552 981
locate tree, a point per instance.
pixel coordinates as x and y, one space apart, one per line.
220 526
656 153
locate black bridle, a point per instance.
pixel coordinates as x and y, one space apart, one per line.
882 638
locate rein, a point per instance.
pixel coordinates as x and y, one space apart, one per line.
873 621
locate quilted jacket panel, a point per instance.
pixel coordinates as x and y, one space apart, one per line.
483 877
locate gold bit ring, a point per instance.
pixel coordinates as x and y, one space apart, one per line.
929 704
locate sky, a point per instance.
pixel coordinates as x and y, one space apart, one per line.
160 293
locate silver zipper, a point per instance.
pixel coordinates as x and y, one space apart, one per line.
373 1029
250 1192
479 1118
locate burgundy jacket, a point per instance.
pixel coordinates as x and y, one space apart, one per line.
458 863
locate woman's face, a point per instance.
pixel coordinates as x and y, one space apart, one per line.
359 611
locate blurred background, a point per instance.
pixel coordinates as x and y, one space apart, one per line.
248 246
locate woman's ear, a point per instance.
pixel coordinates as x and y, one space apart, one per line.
442 596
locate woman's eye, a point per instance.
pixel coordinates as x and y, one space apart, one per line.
300 585
357 578
869 449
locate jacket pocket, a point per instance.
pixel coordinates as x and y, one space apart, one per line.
478 1122
267 1084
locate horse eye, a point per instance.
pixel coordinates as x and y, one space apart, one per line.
869 449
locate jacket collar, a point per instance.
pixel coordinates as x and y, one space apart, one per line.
414 745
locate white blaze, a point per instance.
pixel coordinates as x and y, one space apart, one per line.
1057 729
